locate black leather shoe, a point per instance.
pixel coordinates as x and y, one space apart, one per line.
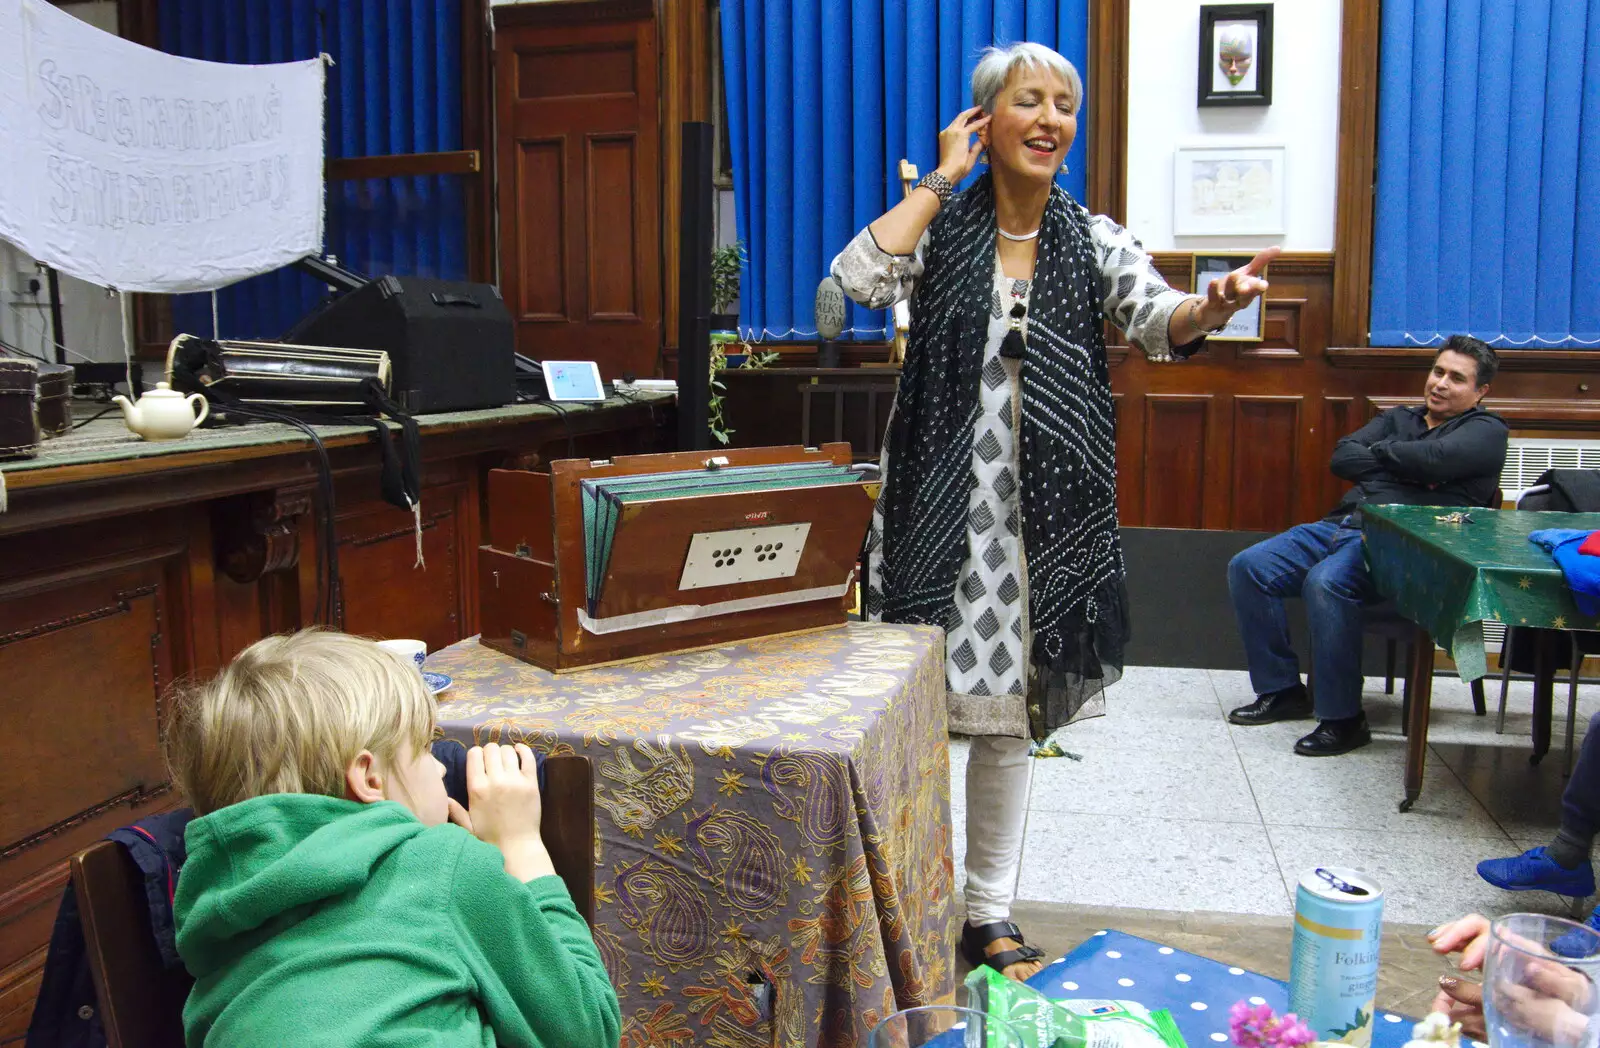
1289 704
1334 737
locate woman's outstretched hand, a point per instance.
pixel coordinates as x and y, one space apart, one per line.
958 148
1227 295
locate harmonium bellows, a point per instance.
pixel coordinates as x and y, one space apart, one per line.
597 562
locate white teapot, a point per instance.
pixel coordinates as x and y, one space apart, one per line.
162 413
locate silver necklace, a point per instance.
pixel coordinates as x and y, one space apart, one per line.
1019 237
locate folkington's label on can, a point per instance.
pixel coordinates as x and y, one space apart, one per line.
1333 970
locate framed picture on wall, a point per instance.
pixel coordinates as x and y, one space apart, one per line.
1235 55
1228 191
1249 323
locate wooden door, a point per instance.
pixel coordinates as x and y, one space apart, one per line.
579 162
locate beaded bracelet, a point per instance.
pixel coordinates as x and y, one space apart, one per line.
939 184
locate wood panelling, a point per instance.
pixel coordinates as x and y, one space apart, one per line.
1108 108
93 629
1266 441
1338 419
541 270
578 147
685 95
1176 446
1358 153
1278 408
614 291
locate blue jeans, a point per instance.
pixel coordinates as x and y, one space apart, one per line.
1580 801
1323 563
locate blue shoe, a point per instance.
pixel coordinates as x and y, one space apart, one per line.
1533 870
1577 944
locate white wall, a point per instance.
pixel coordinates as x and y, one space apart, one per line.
1303 116
91 321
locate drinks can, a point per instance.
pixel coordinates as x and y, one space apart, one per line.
1333 969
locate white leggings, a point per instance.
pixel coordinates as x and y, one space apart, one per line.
998 774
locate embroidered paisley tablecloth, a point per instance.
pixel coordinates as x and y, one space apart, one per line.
773 859
1451 578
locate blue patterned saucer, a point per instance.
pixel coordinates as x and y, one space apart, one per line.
436 682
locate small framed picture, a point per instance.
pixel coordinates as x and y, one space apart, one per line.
1228 191
1235 55
1247 325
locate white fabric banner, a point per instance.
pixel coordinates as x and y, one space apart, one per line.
142 171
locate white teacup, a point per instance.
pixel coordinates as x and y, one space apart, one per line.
412 650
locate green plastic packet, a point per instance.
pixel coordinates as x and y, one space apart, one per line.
1044 1023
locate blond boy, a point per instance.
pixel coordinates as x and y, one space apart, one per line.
334 895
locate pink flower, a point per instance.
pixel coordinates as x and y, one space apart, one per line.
1258 1027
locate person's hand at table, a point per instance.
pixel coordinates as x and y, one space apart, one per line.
1551 1000
1547 1002
505 807
1460 1000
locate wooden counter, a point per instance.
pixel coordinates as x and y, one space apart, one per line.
125 567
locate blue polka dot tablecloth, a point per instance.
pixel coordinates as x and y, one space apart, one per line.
1198 992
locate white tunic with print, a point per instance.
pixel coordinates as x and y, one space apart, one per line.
985 663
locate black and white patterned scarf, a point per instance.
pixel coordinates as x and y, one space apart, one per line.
1077 602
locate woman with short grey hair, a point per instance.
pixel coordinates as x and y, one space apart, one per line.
998 516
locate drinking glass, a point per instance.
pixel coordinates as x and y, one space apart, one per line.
1539 982
944 1026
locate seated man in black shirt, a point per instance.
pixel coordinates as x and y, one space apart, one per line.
1448 452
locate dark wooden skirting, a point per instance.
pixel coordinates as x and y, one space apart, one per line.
455 162
1565 360
1358 147
1108 108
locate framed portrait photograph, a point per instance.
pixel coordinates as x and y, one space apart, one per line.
1228 191
1235 55
1247 325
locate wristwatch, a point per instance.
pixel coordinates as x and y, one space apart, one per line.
939 184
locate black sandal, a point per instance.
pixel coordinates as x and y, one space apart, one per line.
974 939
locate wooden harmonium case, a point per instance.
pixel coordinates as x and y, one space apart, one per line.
599 562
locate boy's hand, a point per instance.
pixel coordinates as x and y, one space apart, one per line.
503 788
458 814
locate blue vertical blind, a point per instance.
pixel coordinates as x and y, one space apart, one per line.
824 99
395 87
1487 216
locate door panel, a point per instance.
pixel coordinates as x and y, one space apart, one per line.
580 177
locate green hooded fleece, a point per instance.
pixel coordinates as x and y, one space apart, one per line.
313 921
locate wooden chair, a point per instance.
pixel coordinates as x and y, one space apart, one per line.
568 826
141 1002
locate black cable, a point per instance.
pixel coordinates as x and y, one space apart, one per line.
9 348
327 549
566 424
102 413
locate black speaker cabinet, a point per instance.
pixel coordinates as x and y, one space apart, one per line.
450 343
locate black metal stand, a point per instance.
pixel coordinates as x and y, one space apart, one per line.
694 290
54 283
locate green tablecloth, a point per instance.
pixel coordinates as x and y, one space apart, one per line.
1452 578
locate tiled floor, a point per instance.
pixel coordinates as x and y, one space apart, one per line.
1173 809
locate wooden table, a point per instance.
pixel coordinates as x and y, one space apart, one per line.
1450 579
774 859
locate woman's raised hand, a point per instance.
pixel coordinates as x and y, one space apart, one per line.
958 149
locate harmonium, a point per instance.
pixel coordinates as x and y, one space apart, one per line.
599 562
